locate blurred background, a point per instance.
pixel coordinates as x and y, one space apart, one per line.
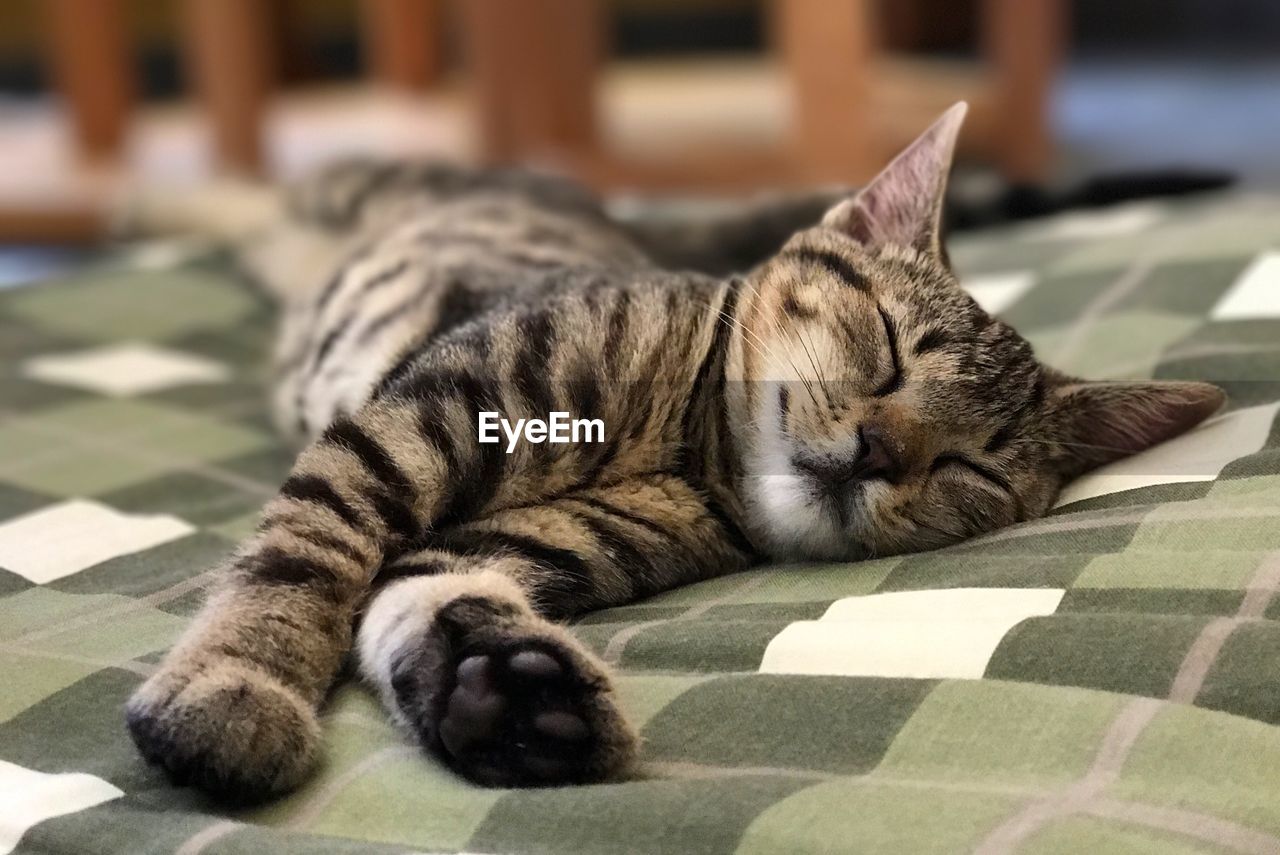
698 96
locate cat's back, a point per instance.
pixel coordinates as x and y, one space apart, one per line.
425 249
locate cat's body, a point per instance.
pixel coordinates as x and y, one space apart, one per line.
844 399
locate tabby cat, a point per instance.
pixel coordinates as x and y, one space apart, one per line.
841 400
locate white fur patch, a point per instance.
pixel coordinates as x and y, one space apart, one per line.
780 503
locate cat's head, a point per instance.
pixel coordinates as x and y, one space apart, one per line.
884 411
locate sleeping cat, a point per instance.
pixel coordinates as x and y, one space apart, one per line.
843 399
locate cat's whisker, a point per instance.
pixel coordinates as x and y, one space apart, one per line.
924 526
748 337
808 384
1085 445
809 349
752 290
762 349
805 342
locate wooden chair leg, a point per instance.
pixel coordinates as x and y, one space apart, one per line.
533 65
1024 42
827 47
92 66
401 41
227 54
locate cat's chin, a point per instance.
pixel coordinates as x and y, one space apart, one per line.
794 526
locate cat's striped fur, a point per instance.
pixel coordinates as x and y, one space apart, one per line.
845 398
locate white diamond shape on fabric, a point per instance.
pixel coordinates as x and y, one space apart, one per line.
28 798
949 633
1254 294
1198 455
66 538
121 370
995 292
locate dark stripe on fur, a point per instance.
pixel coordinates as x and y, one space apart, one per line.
347 434
458 305
932 339
330 339
482 542
567 587
833 263
537 332
391 502
409 569
627 558
331 287
690 461
1006 432
341 327
384 277
273 566
476 470
612 510
793 309
731 530
375 327
380 178
619 316
331 543
312 488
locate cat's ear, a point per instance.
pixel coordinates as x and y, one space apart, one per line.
903 204
1099 422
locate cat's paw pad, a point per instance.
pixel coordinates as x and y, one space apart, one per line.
527 714
229 730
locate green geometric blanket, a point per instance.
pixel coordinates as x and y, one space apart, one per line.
1105 679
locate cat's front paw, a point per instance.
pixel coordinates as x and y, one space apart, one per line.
530 710
230 730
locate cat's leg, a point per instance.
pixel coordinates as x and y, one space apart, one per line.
232 708
461 646
501 694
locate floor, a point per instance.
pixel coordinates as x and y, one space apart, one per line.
1108 116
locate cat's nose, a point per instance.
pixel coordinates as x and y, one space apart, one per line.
875 459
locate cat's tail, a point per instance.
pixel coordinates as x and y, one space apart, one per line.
983 204
727 236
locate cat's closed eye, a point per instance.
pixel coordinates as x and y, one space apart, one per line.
959 461
894 381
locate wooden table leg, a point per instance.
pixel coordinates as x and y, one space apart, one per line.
827 46
401 41
93 69
1024 42
533 65
227 54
